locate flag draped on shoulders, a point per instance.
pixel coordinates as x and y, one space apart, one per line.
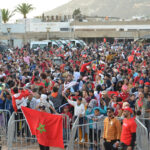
48 128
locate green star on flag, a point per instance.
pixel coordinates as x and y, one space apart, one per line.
41 128
48 128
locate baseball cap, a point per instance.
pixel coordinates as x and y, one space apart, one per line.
128 109
147 83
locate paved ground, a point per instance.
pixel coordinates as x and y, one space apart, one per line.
5 148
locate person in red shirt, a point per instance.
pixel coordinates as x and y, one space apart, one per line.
84 68
38 83
18 99
128 134
124 94
137 78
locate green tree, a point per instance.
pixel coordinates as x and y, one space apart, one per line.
76 13
6 15
24 9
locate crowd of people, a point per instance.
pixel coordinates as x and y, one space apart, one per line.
99 80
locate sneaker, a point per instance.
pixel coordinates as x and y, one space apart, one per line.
76 140
82 140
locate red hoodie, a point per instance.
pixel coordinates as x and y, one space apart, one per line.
83 67
18 99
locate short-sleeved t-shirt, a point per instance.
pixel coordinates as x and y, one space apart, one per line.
129 127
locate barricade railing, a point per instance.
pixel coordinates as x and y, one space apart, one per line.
83 135
146 122
19 136
72 134
87 135
142 141
66 129
4 117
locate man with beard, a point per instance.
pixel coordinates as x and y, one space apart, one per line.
128 134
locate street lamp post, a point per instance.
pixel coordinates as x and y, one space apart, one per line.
48 33
138 34
9 30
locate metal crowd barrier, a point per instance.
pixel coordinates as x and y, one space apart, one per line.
86 136
142 139
146 122
4 117
19 136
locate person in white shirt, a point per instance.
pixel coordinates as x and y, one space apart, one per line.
31 101
45 104
79 111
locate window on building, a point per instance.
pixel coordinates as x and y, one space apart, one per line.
64 29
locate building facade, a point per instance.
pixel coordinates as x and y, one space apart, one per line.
34 29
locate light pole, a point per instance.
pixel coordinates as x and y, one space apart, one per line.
138 33
9 30
48 32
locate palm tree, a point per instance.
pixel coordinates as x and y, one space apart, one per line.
6 15
76 13
24 9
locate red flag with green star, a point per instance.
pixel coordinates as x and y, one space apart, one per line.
48 128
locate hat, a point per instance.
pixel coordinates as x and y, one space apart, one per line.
147 83
111 109
128 109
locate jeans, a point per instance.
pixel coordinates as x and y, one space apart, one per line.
19 116
64 134
81 121
109 145
43 147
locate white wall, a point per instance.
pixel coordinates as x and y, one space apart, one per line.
0 21
18 43
42 26
15 28
117 27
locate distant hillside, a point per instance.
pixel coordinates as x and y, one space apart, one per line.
111 8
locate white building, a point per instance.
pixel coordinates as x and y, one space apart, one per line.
0 21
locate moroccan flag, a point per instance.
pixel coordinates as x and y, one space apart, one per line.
48 128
